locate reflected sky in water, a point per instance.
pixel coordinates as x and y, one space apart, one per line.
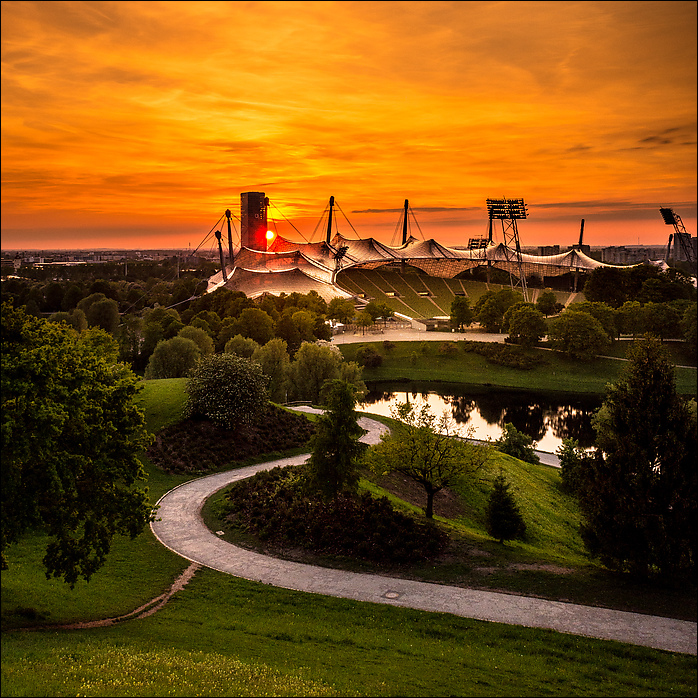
546 419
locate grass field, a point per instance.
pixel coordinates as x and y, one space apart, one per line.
225 636
424 361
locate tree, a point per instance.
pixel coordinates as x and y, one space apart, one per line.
425 449
517 444
364 320
547 302
255 324
492 305
275 362
200 337
70 438
461 313
312 366
525 324
661 320
287 330
333 466
227 389
341 309
578 334
172 358
609 285
304 321
689 325
602 312
100 311
638 494
504 519
242 346
572 459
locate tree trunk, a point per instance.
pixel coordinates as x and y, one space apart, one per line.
429 511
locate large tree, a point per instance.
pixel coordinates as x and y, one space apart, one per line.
578 334
638 494
525 324
427 450
71 433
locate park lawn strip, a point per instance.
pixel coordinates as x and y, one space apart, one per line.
306 643
423 361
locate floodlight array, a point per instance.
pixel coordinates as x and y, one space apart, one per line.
506 209
668 215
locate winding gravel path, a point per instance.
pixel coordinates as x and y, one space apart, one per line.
179 527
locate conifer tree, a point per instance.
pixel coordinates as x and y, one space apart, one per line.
638 494
504 519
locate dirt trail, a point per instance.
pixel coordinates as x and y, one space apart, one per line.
147 609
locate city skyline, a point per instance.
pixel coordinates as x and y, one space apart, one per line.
135 125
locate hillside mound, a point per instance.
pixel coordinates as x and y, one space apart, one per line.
198 445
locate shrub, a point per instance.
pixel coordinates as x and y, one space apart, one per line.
517 444
275 506
227 389
368 357
502 354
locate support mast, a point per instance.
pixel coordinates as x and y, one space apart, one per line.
329 222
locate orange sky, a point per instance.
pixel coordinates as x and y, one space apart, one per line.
135 124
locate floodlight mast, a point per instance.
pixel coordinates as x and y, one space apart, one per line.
508 211
680 235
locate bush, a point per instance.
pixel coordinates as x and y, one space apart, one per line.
368 357
227 389
517 444
275 506
502 354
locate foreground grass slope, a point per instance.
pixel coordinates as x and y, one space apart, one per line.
226 636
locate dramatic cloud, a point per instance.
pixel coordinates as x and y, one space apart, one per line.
143 116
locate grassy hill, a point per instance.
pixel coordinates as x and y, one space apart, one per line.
225 636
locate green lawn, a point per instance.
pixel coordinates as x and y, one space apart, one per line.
226 636
423 361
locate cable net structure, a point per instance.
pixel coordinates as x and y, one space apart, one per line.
288 266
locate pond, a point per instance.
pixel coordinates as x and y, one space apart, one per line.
547 418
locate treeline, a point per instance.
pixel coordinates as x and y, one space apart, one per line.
636 302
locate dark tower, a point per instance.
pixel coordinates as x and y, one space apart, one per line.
253 220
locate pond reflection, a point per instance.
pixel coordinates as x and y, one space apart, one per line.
546 418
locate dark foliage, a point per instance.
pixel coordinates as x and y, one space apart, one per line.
275 506
502 354
369 357
198 445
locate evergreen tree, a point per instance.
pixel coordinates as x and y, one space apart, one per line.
333 465
504 520
638 494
